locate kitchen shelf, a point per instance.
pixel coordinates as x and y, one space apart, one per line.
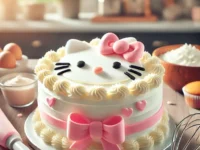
54 23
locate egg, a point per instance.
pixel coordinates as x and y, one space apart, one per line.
7 60
14 49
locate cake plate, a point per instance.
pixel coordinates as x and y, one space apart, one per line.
37 143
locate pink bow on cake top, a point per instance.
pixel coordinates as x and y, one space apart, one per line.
83 131
111 44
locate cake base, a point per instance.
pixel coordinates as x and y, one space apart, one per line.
37 143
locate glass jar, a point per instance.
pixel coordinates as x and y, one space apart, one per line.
19 94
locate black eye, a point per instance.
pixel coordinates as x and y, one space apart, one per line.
116 65
81 64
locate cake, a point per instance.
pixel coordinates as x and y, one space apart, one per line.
101 95
12 60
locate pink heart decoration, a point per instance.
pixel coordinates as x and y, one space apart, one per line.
51 101
141 105
127 112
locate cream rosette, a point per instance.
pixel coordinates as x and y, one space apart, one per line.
145 56
145 141
56 141
47 62
65 143
61 87
47 134
157 135
118 91
138 87
98 93
131 145
151 61
95 42
42 74
38 127
157 69
41 67
153 80
49 81
61 52
77 91
52 55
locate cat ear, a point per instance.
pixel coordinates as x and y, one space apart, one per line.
129 39
74 46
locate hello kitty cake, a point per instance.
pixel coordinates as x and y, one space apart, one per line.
102 95
12 60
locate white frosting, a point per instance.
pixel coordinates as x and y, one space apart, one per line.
186 55
18 81
92 57
93 109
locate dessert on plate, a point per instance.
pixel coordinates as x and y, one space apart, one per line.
102 95
12 60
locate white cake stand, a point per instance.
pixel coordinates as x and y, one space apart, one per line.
37 143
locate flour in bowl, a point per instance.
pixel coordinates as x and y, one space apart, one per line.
186 55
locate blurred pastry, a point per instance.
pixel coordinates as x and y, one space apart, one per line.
192 94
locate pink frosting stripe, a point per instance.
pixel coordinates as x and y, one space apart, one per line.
129 129
147 123
53 121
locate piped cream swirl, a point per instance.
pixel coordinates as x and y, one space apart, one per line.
61 87
95 42
153 80
61 52
145 142
151 61
56 141
47 62
138 87
52 55
157 135
49 81
42 74
38 127
118 91
47 134
41 67
98 93
157 69
145 56
77 91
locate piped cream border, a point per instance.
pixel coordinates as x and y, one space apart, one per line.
50 137
44 71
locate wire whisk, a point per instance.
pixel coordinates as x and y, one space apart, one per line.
187 134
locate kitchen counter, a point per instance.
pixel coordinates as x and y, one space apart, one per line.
54 23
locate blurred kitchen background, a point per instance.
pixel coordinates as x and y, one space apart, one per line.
40 25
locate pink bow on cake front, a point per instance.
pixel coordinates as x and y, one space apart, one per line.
109 132
110 44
